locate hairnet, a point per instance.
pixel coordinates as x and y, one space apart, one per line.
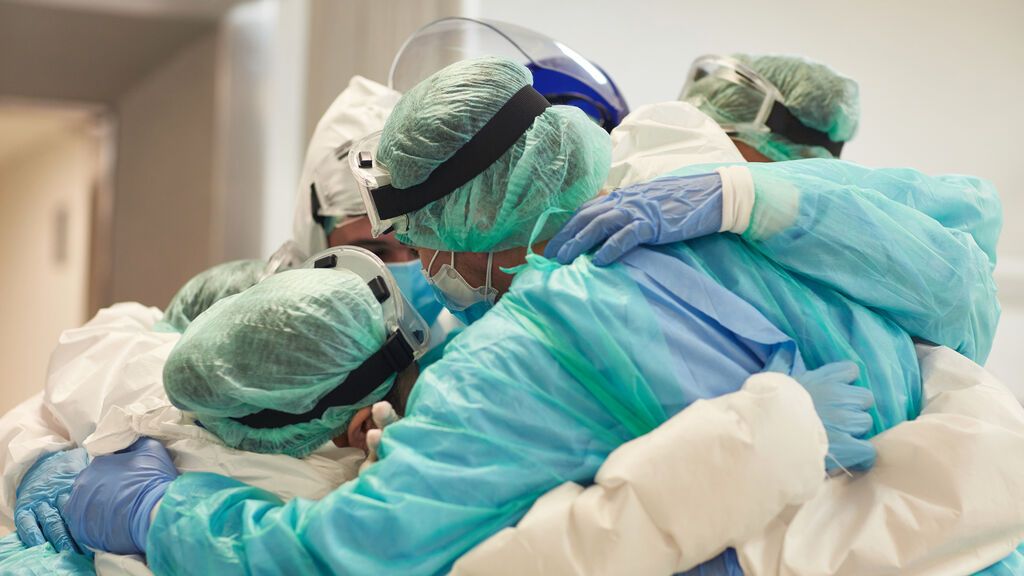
559 162
817 95
207 287
284 344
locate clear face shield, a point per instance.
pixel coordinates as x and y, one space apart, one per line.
560 73
400 317
757 94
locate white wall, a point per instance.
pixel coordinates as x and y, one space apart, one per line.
164 183
44 279
940 82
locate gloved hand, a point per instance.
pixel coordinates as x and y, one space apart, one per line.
383 416
112 499
843 409
41 498
662 211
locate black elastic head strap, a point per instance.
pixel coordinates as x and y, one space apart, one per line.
482 150
782 122
314 205
396 355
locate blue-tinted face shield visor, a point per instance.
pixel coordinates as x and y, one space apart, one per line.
560 73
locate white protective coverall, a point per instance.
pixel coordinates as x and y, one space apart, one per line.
358 111
663 503
105 387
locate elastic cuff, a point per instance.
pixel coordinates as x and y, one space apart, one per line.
737 198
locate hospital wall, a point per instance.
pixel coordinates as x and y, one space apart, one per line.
45 196
940 83
164 177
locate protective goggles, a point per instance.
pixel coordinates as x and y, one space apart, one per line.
766 105
407 340
388 207
560 73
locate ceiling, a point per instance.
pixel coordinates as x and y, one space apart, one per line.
22 125
59 50
208 9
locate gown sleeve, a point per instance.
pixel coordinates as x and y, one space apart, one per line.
916 249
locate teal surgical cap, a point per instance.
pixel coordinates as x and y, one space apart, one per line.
559 163
817 95
207 287
282 345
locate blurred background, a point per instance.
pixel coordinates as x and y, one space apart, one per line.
142 141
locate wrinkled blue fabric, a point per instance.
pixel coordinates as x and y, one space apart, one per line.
571 363
416 289
41 560
916 249
854 235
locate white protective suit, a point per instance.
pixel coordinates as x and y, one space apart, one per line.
663 503
105 385
357 112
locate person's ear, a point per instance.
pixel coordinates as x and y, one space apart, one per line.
362 422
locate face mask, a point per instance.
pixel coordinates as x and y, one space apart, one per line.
416 289
466 303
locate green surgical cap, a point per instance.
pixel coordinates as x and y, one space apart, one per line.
817 95
283 344
559 163
205 288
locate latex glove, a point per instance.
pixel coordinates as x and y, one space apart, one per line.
41 498
843 409
383 416
661 211
113 498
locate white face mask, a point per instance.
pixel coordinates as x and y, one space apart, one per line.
462 300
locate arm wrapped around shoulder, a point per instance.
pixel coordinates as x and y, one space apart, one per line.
711 476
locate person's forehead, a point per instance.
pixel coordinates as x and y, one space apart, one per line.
353 230
356 231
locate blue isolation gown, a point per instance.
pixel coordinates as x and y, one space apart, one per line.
41 560
571 363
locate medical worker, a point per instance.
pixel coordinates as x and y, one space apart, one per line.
599 355
734 94
329 210
879 537
298 360
776 107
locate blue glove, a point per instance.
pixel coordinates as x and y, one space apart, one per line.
843 409
661 211
41 498
113 497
